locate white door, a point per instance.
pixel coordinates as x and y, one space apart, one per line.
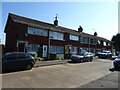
44 50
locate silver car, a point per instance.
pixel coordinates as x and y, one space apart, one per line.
81 57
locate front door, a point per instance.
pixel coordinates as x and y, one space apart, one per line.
44 50
21 47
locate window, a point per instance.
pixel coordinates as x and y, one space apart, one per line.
22 56
37 31
56 49
73 37
32 47
92 41
84 40
56 35
98 42
73 50
10 57
83 49
104 44
109 44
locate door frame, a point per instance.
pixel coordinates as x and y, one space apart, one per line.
45 50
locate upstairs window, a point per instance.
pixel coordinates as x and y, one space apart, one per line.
109 44
56 35
37 31
84 40
98 42
73 37
104 44
92 41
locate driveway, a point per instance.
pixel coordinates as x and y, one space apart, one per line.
70 75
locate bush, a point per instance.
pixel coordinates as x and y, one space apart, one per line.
52 56
39 51
59 58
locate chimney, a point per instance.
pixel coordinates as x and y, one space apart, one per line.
56 21
80 29
95 34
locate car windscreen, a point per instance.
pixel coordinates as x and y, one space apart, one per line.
104 52
118 57
81 54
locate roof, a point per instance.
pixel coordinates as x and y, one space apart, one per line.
44 25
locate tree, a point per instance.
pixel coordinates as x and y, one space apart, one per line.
40 52
116 41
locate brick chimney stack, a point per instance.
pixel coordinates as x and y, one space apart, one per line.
95 34
80 29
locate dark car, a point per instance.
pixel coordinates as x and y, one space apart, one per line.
17 60
81 57
105 54
116 63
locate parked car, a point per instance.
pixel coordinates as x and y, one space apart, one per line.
116 63
81 57
17 60
97 53
105 54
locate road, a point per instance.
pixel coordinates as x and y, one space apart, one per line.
70 75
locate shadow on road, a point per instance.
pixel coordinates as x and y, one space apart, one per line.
113 69
73 62
12 71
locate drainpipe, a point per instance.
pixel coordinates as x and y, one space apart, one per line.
89 46
49 44
17 46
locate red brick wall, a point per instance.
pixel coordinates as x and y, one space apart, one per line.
57 42
74 43
37 39
10 44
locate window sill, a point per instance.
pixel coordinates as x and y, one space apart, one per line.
56 39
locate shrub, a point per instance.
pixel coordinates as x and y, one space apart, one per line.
59 58
52 56
39 51
38 59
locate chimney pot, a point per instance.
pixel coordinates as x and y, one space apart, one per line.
56 21
95 34
80 29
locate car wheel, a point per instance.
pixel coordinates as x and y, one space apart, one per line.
116 67
81 60
29 67
91 59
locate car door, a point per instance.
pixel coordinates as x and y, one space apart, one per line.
9 62
23 59
86 56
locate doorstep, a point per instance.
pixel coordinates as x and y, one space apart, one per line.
48 63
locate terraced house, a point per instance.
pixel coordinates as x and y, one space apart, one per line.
26 35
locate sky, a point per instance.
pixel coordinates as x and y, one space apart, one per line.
101 17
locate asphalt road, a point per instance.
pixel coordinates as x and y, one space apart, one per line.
70 75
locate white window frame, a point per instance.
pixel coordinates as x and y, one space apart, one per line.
74 36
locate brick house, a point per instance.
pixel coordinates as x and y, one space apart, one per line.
26 35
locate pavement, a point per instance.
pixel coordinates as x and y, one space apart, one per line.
54 62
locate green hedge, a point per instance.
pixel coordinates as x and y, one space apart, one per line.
59 58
